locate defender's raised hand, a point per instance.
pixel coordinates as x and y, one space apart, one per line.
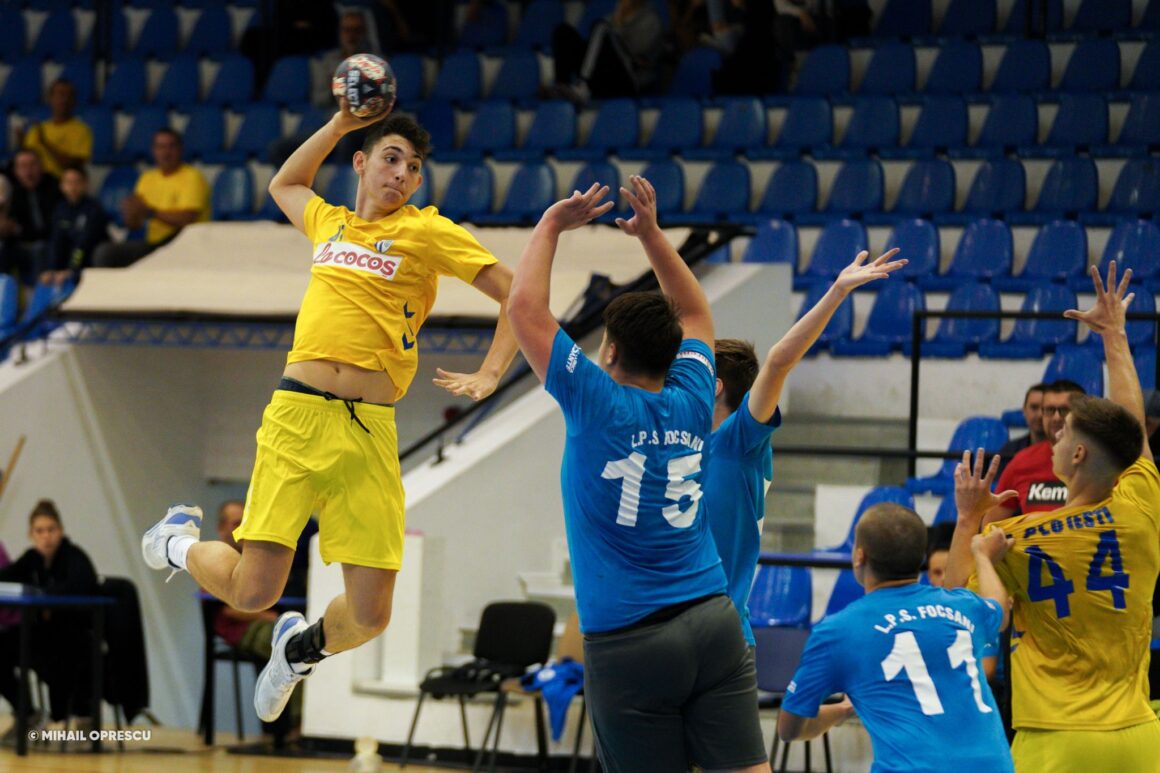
643 199
578 209
860 272
1111 306
973 496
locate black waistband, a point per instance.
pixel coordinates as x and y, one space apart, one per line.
665 614
294 385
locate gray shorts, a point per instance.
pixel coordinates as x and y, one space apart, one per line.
673 694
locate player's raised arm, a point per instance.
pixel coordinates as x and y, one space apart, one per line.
528 311
987 551
494 281
973 499
1107 316
788 352
673 274
291 186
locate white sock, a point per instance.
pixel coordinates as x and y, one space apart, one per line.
177 549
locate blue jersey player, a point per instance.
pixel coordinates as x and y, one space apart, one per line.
668 678
745 414
908 656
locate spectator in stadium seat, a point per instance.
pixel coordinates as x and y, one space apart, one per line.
1033 416
621 58
79 226
165 200
1083 575
414 26
296 27
63 140
352 39
752 67
1030 471
25 229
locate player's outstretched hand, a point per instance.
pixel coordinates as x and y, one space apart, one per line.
476 385
860 272
346 121
643 199
973 496
578 209
993 545
1112 300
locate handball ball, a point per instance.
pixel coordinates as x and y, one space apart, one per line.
368 84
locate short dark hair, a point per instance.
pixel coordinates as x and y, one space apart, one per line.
45 508
646 328
403 125
62 82
77 167
938 537
1061 385
736 367
894 540
1040 387
172 133
1110 426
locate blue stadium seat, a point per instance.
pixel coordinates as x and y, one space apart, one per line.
668 178
492 129
781 596
846 591
100 121
1080 364
212 33
857 189
260 124
288 83
873 125
57 36
78 70
999 188
928 190
807 125
594 11
539 19
984 251
838 243
956 336
904 19
233 194
12 41
742 126
22 88
918 241
125 88
553 127
1058 254
488 29
947 512
204 137
776 241
679 126
841 325
968 18
9 305
1094 66
1133 244
408 69
459 78
1137 190
958 69
518 77
1081 123
342 190
1140 134
983 432
44 297
1151 18
723 193
617 125
159 36
424 193
941 125
438 118
233 84
1025 66
118 184
826 72
792 191
270 211
694 75
1145 357
1031 337
875 496
532 190
138 145
605 173
1146 76
179 87
888 328
1011 122
1071 187
1017 20
1102 16
890 71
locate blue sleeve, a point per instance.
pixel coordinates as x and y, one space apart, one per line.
695 372
986 612
583 390
814 680
741 434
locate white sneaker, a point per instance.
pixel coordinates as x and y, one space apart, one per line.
179 520
277 681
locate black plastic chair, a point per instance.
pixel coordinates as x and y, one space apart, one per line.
778 652
216 650
512 635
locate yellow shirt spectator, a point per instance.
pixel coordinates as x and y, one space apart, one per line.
185 189
73 137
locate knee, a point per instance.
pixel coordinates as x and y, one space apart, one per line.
372 620
254 599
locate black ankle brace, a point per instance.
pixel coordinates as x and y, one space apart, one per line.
307 646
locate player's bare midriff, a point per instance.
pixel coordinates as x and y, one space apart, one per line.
343 380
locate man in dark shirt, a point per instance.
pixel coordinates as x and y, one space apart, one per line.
1033 416
79 224
25 229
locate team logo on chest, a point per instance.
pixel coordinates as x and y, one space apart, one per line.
358 257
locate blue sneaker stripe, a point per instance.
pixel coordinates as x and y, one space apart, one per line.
181 518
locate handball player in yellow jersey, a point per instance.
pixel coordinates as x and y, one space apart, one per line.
1082 576
327 440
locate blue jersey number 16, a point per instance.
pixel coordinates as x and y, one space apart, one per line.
1058 590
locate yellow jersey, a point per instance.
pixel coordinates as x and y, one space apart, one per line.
373 283
1082 580
73 137
185 189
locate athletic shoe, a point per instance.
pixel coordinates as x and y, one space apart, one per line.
277 681
180 520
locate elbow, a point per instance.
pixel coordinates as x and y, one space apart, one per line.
787 729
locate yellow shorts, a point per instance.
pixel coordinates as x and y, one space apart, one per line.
1133 749
314 457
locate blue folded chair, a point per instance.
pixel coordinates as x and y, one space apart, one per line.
1136 193
1070 188
1025 67
890 71
955 336
808 124
668 178
947 512
139 142
617 125
44 297
1133 244
438 117
792 191
1077 363
1140 133
1146 76
159 36
1058 254
100 121
1019 24
1011 122
941 125
1145 358
985 250
125 88
873 125
968 18
488 29
469 192
492 129
1102 16
825 72
408 69
1151 18
57 36
742 126
518 78
212 33
927 191
723 193
12 30
233 194
259 124
553 127
342 189
781 596
204 136
694 75
179 86
858 188
1080 124
838 243
605 173
776 241
233 85
1032 337
889 325
540 18
918 241
288 83
841 325
459 79
531 191
984 432
998 190
1094 66
876 496
904 19
679 126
